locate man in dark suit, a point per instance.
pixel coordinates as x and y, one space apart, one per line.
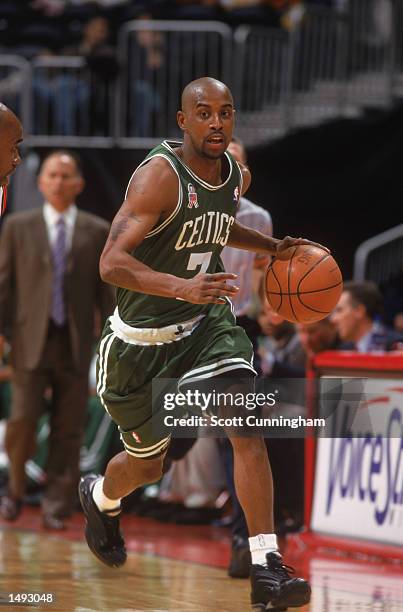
50 289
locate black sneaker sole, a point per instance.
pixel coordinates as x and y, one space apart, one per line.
92 542
93 548
293 596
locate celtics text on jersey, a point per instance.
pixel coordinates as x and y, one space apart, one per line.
189 241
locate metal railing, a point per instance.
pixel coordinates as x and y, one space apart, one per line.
380 258
157 59
291 79
15 80
70 102
318 50
372 46
328 66
261 81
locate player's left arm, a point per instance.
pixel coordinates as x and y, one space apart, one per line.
242 237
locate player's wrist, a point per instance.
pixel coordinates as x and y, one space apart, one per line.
274 243
178 287
270 246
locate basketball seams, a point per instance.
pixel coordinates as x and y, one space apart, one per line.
311 290
299 293
289 283
324 312
285 275
310 270
270 269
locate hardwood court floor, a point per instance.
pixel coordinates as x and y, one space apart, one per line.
46 564
156 580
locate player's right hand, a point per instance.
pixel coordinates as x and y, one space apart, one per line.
208 288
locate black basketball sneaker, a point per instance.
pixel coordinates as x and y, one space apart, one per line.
102 532
274 589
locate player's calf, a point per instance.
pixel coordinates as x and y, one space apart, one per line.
125 473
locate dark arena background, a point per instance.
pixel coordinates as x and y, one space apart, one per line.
318 92
338 183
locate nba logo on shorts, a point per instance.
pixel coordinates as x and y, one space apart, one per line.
192 196
136 437
236 194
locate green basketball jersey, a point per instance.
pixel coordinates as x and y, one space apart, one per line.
189 241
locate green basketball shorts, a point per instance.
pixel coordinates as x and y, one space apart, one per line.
130 358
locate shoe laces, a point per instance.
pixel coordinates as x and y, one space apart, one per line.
275 564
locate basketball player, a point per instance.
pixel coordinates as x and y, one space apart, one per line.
10 138
174 320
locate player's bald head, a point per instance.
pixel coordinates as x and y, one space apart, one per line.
10 138
7 119
70 158
203 89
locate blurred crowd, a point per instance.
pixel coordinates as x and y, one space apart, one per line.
55 24
79 99
88 27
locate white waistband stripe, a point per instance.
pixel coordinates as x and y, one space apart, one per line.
152 336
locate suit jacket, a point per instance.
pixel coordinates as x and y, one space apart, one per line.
26 286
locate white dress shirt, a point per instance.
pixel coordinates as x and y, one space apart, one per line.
242 262
52 216
364 343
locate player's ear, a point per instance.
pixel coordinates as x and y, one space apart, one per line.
180 118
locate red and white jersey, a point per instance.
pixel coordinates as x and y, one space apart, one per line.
3 199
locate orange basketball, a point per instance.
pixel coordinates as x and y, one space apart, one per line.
306 287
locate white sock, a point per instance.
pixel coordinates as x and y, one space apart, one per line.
260 545
103 503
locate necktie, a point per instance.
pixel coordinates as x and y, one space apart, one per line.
59 268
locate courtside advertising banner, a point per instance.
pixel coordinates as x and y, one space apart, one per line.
358 487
